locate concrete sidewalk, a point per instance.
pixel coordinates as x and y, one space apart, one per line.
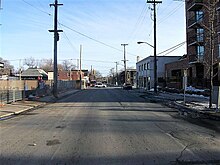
16 108
194 105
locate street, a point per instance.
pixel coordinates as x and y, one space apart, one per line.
106 126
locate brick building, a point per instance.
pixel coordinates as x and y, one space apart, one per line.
68 75
198 60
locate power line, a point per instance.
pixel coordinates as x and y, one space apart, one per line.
139 22
173 47
100 42
36 7
171 13
66 37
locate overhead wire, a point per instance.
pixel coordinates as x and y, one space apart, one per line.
100 42
173 47
139 22
36 8
68 40
170 13
91 38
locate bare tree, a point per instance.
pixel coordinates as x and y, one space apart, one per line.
112 72
46 64
68 65
30 62
7 64
97 74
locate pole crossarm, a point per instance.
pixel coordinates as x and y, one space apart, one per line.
154 1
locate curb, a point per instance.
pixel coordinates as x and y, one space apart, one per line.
181 108
193 112
9 115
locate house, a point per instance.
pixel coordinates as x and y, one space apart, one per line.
34 74
1 65
145 70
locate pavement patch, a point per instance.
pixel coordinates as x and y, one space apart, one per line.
53 142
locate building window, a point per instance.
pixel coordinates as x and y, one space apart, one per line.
219 50
200 51
199 16
145 66
148 66
200 34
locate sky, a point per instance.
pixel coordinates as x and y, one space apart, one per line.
100 26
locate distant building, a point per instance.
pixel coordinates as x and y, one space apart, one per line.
174 72
1 65
34 74
68 75
131 77
145 71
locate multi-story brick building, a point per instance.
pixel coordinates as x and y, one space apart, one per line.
200 59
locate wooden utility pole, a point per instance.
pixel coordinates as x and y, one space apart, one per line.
116 75
80 66
155 43
56 38
212 13
125 62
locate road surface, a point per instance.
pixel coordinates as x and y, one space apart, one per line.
106 126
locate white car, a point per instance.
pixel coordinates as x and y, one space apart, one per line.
100 85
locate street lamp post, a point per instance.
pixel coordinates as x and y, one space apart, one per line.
155 64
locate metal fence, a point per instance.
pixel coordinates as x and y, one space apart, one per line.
14 90
8 96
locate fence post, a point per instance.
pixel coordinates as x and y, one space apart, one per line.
24 90
13 95
7 90
1 101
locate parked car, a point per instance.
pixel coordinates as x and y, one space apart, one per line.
100 85
127 86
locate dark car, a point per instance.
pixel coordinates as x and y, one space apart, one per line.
127 86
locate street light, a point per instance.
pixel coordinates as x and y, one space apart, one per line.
141 42
155 64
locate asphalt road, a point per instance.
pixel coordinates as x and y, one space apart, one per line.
106 126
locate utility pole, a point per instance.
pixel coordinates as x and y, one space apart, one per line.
116 69
154 2
56 38
1 8
212 10
80 66
19 69
125 62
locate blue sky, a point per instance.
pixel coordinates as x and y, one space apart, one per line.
100 26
